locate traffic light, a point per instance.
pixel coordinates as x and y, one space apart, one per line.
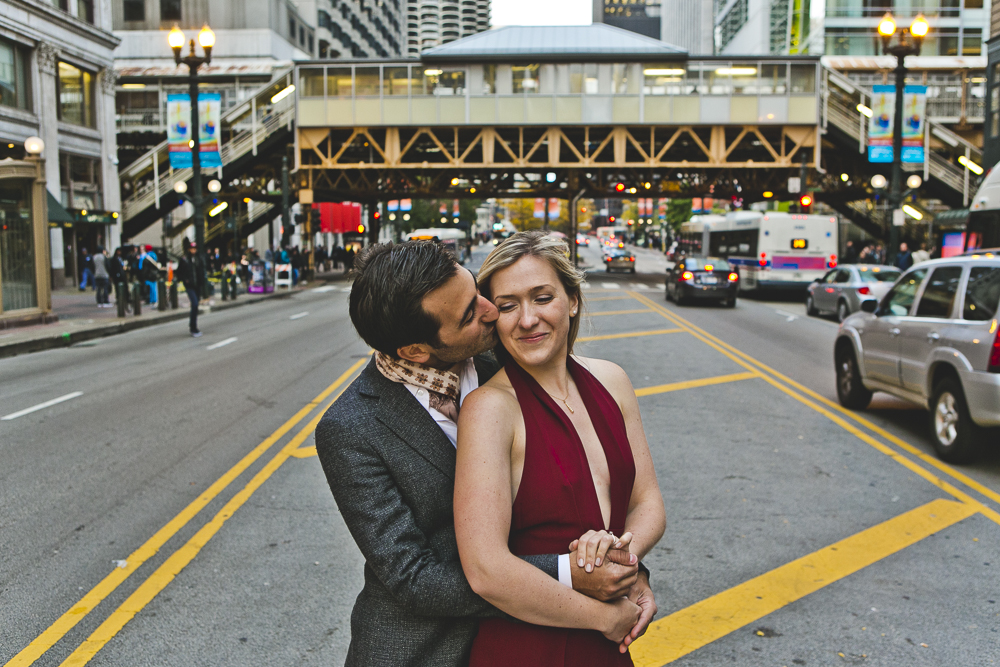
377 215
361 229
611 219
619 187
805 203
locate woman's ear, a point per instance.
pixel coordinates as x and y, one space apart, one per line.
574 305
418 353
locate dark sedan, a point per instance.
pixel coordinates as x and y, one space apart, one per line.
698 278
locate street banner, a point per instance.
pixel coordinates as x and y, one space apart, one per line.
179 131
178 134
555 208
443 209
455 209
663 209
405 204
393 205
642 208
539 208
880 123
914 118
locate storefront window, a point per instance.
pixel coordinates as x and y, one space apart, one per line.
76 95
17 247
81 182
14 76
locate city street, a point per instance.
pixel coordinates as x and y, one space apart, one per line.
171 510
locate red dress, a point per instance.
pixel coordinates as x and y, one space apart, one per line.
555 504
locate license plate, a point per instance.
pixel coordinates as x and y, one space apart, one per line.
709 280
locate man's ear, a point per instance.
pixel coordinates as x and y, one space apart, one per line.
418 353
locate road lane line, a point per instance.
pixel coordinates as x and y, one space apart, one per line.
181 558
620 312
323 290
222 343
609 298
912 466
305 452
107 586
611 286
40 406
658 332
299 316
691 384
689 629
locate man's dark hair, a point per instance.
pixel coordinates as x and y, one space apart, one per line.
390 281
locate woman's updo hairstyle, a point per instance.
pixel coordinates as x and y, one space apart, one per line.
550 248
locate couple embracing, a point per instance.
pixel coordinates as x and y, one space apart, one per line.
500 488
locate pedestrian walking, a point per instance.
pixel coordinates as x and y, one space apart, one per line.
117 274
921 254
86 273
904 259
101 277
149 269
187 273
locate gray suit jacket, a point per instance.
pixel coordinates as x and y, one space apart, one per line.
392 473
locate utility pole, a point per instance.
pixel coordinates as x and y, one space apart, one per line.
286 218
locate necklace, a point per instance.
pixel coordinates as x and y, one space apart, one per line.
571 410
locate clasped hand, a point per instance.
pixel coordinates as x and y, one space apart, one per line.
606 570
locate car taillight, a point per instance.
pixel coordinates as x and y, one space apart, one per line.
687 275
733 277
995 352
631 259
864 290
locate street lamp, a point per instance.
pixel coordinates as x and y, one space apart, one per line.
907 43
206 38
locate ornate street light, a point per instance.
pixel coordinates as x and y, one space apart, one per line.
907 43
206 38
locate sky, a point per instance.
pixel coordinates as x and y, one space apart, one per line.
541 12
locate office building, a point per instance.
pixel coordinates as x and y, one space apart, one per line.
689 24
56 83
431 23
639 16
762 27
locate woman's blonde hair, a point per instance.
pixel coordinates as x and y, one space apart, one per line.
550 248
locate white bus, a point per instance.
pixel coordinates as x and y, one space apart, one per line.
451 238
769 249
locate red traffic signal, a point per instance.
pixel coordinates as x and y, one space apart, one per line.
377 215
805 201
611 219
620 187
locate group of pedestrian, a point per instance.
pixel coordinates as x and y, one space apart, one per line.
875 253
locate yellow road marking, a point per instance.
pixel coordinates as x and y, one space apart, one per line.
86 604
607 298
305 452
711 341
621 312
180 559
658 332
691 384
700 624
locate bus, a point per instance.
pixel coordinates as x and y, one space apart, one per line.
770 250
606 235
983 231
450 238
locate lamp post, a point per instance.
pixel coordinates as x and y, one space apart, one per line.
176 40
908 43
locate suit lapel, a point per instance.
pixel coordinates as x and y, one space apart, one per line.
400 412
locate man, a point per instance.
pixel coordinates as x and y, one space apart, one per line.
388 450
101 277
921 254
188 274
86 273
904 259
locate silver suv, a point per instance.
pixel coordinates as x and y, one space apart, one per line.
933 340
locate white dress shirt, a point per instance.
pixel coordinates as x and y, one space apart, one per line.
468 382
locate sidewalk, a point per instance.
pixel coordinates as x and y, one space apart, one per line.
80 319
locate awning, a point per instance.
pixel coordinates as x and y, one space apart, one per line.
57 213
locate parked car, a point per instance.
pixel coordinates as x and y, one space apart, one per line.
842 290
619 260
932 340
699 277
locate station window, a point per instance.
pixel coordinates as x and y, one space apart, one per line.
397 81
445 82
170 10
366 81
338 82
311 82
14 76
76 95
803 78
525 79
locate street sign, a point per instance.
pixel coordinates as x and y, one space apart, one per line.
898 217
794 185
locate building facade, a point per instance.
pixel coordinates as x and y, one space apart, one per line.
639 16
689 24
759 27
431 23
958 28
57 83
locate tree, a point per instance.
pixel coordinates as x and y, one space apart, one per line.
678 212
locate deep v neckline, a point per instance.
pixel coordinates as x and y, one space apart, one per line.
574 368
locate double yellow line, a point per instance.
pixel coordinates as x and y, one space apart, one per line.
166 572
842 417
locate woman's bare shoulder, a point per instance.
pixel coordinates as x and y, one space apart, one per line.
610 374
495 397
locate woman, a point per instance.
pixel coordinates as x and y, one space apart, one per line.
550 448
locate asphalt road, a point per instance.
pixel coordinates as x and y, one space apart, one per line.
173 513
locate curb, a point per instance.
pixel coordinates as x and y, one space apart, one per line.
68 339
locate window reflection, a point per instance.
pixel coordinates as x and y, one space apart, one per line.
76 95
525 79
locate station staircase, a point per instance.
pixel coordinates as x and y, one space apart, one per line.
254 132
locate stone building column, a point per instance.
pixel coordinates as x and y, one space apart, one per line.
110 186
48 113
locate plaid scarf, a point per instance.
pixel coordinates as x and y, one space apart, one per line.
443 387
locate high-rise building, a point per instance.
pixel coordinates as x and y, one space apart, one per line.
689 24
957 28
640 16
431 23
760 27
